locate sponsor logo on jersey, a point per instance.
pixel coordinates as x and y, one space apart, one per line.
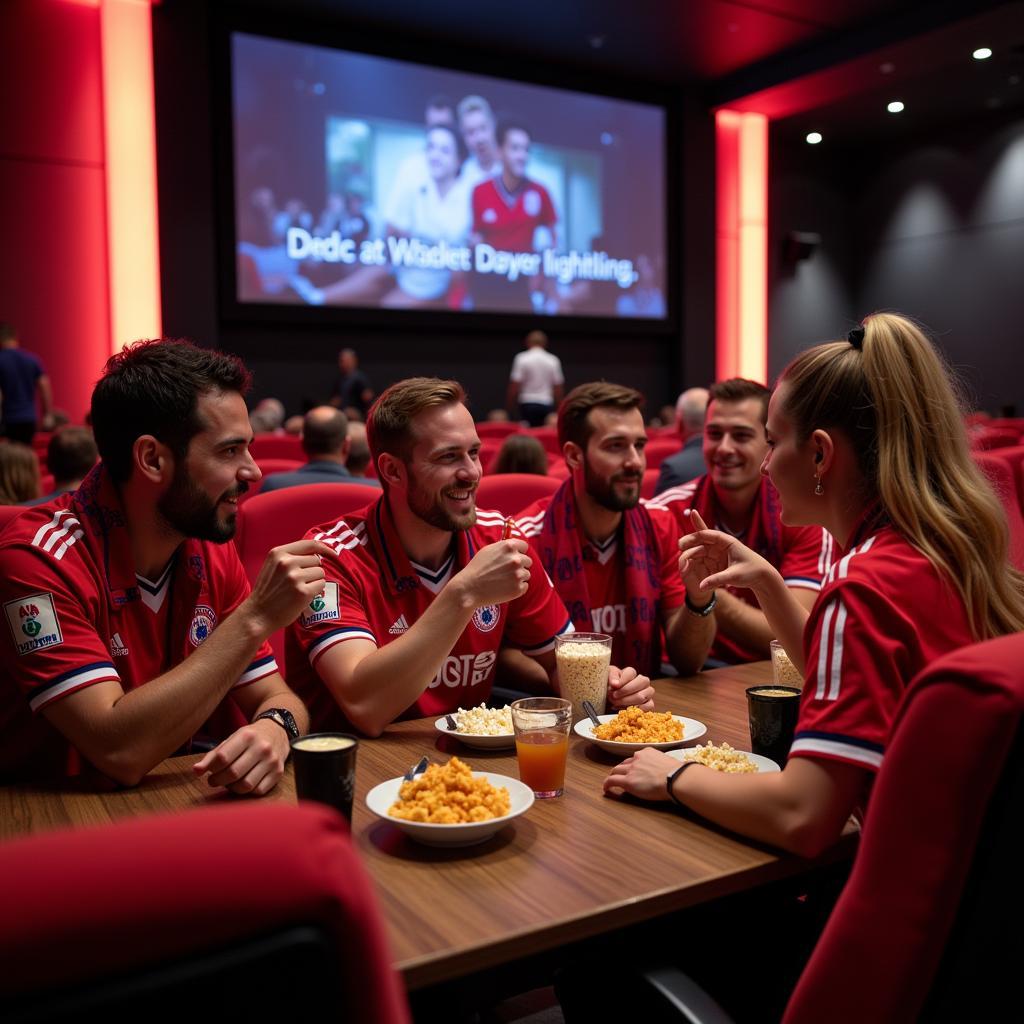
609 619
33 622
118 649
204 620
465 669
531 202
399 626
323 607
486 618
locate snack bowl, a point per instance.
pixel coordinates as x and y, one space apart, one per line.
382 796
761 763
479 741
692 730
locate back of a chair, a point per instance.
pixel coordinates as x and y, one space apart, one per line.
276 446
650 483
496 429
510 493
1001 476
659 449
996 437
268 467
548 436
1013 456
928 925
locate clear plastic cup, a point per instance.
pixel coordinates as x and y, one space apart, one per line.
541 726
583 660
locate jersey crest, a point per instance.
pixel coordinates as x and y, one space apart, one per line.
34 624
204 620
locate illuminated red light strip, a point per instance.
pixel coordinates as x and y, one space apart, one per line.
741 141
129 122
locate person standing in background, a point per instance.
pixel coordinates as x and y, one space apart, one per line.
21 376
352 388
535 384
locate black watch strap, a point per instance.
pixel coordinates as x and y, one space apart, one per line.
671 778
701 611
284 718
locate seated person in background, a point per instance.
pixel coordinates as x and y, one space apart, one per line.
19 473
268 416
866 440
688 463
358 461
734 497
70 454
422 590
130 620
325 442
615 562
521 453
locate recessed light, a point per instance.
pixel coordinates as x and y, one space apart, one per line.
895 107
814 138
887 68
982 53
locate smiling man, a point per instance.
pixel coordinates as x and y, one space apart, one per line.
131 627
734 496
423 590
615 562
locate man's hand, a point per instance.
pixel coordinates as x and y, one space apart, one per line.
713 559
290 578
643 775
627 687
497 573
250 761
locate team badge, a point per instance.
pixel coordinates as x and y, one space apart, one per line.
203 621
490 215
34 624
486 618
531 202
323 607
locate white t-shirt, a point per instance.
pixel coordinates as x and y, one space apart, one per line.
537 371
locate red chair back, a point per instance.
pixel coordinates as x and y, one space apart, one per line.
996 437
650 482
659 449
1003 481
276 446
268 467
510 493
548 436
1013 456
496 429
929 918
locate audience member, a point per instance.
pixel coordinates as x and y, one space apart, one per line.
21 377
613 561
535 383
498 416
70 454
325 442
735 497
358 461
682 467
521 453
19 473
293 425
423 591
352 388
268 416
131 620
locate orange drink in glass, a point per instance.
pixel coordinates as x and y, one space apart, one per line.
542 742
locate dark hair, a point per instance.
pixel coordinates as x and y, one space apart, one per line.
739 389
323 432
521 453
153 387
511 124
71 453
440 101
460 146
7 332
573 414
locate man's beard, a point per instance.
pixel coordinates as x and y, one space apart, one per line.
430 509
191 513
604 493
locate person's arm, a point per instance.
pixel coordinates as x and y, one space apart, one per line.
512 399
46 400
748 625
688 636
373 686
802 809
125 735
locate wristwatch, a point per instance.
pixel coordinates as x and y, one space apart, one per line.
284 718
671 778
705 610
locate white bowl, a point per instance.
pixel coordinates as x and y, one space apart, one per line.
477 740
381 797
692 729
763 764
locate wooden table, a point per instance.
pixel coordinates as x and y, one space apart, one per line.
569 869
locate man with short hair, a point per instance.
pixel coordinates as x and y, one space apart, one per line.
130 622
476 124
70 454
423 590
614 561
358 461
734 496
535 383
326 444
689 462
21 377
352 390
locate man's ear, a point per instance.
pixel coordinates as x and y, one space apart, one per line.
391 470
573 455
152 459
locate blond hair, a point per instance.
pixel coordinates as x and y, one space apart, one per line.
19 473
890 393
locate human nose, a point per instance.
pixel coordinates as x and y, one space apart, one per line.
249 470
765 461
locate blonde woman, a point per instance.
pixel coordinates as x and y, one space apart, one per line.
866 439
19 473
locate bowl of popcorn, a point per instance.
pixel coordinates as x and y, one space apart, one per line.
631 730
481 727
450 804
726 759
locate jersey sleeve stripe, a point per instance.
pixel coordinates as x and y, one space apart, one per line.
802 582
835 676
549 644
842 748
70 681
823 648
258 670
47 527
60 552
336 636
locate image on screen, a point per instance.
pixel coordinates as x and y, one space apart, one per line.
367 182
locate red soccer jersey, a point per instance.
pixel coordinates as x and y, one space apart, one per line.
606 578
802 554
77 614
508 220
375 593
883 614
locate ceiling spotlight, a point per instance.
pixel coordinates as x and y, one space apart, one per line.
895 107
814 138
982 53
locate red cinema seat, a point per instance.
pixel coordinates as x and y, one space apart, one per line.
239 911
276 446
1013 456
510 493
496 429
1003 481
548 436
659 450
650 482
267 468
995 437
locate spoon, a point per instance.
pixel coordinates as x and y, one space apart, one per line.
451 723
416 769
591 713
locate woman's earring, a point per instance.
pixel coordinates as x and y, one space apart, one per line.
818 489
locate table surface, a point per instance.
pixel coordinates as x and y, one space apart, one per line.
569 869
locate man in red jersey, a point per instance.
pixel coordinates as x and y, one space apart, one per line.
735 498
423 590
130 623
615 562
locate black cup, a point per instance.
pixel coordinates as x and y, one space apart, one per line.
772 720
325 769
